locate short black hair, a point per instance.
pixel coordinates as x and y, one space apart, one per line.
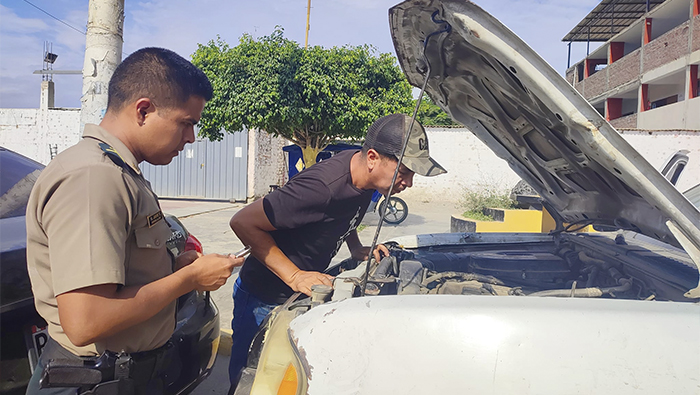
158 74
366 148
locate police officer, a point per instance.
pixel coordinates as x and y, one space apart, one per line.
102 276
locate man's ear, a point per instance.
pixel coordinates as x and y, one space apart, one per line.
373 159
144 107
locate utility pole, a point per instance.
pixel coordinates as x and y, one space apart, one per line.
103 52
308 16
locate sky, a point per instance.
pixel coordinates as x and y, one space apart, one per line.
181 25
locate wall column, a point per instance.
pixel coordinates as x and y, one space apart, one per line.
47 95
644 98
586 68
616 51
613 108
647 31
42 140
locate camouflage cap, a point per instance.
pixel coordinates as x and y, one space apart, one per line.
386 137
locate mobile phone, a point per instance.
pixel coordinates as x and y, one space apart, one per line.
245 251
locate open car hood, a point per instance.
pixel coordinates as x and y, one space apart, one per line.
484 76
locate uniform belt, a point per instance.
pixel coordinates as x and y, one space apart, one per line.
139 367
143 355
147 365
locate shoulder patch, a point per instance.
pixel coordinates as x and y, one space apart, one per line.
112 154
153 219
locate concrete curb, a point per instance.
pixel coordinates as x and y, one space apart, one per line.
225 342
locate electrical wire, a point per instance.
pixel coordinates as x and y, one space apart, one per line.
56 18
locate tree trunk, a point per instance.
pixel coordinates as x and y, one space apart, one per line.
309 154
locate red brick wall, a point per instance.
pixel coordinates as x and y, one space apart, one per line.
670 46
596 84
628 122
696 33
570 75
624 70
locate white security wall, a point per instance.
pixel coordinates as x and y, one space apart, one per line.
266 165
657 147
30 132
472 165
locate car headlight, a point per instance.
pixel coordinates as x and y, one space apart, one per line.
280 369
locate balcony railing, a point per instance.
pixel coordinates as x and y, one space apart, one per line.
672 45
626 122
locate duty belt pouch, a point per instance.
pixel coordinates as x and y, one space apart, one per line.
107 374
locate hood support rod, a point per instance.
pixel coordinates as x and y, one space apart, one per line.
423 67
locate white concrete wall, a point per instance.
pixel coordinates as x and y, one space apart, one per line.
30 132
19 130
470 165
657 147
266 164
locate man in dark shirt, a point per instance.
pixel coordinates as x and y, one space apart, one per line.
296 230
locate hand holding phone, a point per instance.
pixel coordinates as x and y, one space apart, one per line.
243 252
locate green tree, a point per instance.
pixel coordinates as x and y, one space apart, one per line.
430 114
309 96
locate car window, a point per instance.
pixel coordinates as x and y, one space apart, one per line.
17 177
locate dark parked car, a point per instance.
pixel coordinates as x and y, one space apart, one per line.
24 331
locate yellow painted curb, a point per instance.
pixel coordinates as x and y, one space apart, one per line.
508 221
225 342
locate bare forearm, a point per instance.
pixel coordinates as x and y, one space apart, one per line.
93 313
264 248
252 227
111 311
353 242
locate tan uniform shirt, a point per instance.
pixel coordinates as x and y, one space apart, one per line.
91 221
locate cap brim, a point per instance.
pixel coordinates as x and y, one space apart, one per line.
424 166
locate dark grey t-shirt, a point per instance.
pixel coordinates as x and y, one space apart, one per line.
313 214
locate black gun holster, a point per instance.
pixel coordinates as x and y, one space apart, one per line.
110 373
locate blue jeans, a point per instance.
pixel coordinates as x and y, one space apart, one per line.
248 313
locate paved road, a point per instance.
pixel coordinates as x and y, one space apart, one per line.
208 221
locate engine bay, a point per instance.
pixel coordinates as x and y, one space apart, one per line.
571 266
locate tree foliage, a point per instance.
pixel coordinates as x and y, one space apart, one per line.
430 114
310 96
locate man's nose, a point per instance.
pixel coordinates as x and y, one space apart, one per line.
189 135
408 181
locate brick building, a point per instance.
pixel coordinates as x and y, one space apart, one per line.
645 74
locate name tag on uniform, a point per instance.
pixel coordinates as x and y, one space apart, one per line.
153 219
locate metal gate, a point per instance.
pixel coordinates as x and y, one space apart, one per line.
205 170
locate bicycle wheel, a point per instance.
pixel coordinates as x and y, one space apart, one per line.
396 210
